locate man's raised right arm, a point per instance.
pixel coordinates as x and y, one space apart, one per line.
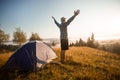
56 21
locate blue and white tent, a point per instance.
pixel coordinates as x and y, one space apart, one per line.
31 56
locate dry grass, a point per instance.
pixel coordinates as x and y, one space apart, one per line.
4 57
83 63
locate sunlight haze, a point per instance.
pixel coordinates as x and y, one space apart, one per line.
101 17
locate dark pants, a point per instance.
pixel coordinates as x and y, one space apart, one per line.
64 44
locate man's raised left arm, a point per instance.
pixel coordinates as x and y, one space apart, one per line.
71 19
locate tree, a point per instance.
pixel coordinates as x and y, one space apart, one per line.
53 43
92 38
72 44
116 47
19 36
90 41
81 42
35 36
3 37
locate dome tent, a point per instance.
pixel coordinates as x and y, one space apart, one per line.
30 56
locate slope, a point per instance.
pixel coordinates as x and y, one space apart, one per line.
82 63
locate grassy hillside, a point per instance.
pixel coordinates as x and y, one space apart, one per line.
82 63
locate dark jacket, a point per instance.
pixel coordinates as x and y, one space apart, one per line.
63 27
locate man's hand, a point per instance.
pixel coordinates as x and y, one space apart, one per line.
76 12
53 17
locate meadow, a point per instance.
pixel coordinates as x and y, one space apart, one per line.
82 63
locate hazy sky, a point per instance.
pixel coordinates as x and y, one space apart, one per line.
101 17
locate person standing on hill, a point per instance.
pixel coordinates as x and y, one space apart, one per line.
63 33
